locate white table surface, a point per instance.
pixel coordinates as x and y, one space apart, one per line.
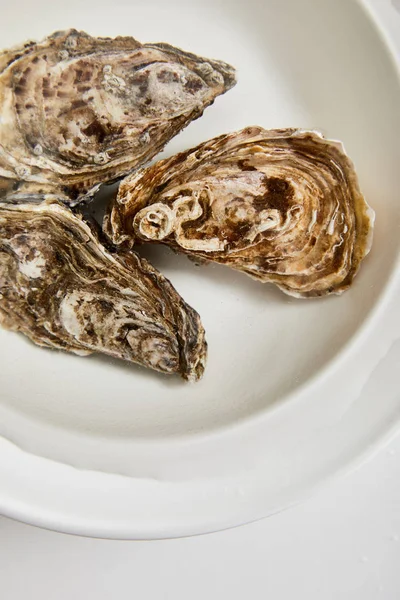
342 544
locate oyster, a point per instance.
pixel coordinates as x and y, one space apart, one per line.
63 289
78 111
283 206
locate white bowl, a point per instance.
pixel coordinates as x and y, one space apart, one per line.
276 412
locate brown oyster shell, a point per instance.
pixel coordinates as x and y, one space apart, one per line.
62 288
283 206
78 111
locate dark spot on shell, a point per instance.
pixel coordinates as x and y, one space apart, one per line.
78 104
193 85
244 165
30 255
277 196
71 191
96 129
236 230
117 129
140 77
148 101
18 89
313 241
141 80
16 57
105 304
159 188
48 93
78 76
28 106
89 330
35 59
337 258
166 76
201 221
23 239
77 141
31 139
79 302
271 265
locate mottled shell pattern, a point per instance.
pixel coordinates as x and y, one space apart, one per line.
78 111
283 206
63 289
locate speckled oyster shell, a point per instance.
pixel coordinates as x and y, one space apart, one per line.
61 288
77 111
283 206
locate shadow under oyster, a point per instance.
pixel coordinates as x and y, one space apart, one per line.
63 289
283 206
78 111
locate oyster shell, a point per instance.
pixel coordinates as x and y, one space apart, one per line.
283 206
78 111
63 289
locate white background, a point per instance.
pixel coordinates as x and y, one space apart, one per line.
344 543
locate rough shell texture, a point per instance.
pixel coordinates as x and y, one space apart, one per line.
284 206
63 289
77 111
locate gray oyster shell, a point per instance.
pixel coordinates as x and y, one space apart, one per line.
78 111
63 289
283 206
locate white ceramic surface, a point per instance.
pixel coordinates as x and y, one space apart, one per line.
342 544
290 392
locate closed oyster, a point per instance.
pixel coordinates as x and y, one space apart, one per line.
78 111
63 289
283 206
